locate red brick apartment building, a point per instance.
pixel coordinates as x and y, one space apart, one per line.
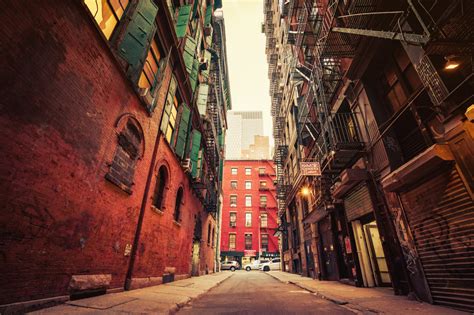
109 169
249 211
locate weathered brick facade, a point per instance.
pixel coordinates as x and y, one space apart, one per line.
65 209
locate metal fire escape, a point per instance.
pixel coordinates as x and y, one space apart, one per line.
211 124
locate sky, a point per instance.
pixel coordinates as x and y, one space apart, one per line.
248 68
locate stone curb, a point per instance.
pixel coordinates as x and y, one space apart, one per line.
337 301
179 306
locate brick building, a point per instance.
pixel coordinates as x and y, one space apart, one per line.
112 128
249 211
379 93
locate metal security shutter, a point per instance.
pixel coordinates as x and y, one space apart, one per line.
440 213
358 202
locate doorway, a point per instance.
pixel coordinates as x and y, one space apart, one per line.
372 261
328 255
195 258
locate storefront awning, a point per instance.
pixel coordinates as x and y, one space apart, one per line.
425 163
232 253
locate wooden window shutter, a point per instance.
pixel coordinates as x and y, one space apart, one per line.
183 130
136 41
194 74
202 98
182 21
189 53
208 18
196 146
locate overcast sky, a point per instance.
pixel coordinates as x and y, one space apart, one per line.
248 68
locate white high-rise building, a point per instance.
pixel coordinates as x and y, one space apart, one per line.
242 127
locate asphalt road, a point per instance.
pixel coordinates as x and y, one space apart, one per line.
256 292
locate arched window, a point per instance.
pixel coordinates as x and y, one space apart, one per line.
213 237
177 206
209 234
128 151
161 181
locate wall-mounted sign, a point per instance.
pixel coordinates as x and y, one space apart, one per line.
250 253
310 169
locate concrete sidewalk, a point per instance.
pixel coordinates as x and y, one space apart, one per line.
362 300
160 299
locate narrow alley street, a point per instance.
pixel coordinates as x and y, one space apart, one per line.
259 293
237 157
253 292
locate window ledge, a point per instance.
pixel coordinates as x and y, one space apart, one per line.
158 211
176 223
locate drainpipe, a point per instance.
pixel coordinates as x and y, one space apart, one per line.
136 240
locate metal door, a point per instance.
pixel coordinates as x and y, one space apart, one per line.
440 213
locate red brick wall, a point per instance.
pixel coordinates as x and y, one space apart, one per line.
62 93
271 210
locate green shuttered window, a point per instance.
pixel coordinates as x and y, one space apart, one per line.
136 41
189 53
195 153
182 21
193 77
208 18
183 130
202 98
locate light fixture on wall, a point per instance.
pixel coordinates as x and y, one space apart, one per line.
305 191
452 62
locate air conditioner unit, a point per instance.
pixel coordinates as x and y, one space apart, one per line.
187 165
233 224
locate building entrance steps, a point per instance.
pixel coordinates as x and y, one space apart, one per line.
159 299
364 300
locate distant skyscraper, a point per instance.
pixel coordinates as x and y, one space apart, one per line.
258 150
242 127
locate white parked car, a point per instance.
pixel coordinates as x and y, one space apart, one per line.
274 264
255 265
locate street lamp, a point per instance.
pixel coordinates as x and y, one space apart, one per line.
452 62
305 191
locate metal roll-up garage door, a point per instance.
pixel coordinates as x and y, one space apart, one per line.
358 202
440 213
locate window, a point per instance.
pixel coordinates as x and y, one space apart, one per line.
248 184
129 149
248 201
159 193
263 201
264 220
248 219
209 234
107 14
231 241
264 242
177 205
248 241
263 184
233 200
150 68
233 184
213 236
248 171
261 170
233 219
170 112
233 171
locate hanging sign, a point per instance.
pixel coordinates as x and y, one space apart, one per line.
310 169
